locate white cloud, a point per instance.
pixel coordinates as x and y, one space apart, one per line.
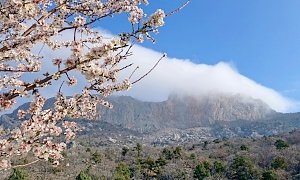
185 77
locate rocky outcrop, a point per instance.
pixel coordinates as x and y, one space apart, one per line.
180 112
183 112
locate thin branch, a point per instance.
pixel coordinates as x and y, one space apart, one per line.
125 67
23 165
133 72
178 9
61 86
16 70
41 49
149 70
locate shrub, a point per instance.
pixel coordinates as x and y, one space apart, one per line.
177 152
279 163
122 172
124 151
202 170
83 175
244 147
96 157
18 174
219 167
269 175
242 168
167 153
280 144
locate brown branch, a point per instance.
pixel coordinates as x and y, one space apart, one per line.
23 165
133 72
15 70
124 67
149 70
178 9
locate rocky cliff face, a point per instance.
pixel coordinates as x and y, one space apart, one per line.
183 112
180 112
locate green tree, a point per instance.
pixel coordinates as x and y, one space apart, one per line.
177 152
167 153
219 167
242 168
202 170
124 151
161 161
96 157
83 175
138 148
281 144
244 147
18 174
193 156
279 163
122 172
269 175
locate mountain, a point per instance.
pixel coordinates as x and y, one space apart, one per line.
183 118
180 112
183 112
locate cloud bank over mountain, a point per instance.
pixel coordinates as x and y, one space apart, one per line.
182 76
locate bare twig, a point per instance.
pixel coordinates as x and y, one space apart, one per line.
149 70
178 9
23 165
125 67
133 72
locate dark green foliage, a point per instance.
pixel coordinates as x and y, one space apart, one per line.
219 167
154 166
244 147
122 172
279 163
125 151
138 148
64 154
96 157
202 170
280 144
18 174
242 168
83 175
269 175
207 165
167 154
177 152
149 163
88 150
171 153
161 161
193 156
57 169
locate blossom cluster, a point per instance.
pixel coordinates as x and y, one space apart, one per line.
26 25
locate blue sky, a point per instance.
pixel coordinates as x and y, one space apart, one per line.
261 38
